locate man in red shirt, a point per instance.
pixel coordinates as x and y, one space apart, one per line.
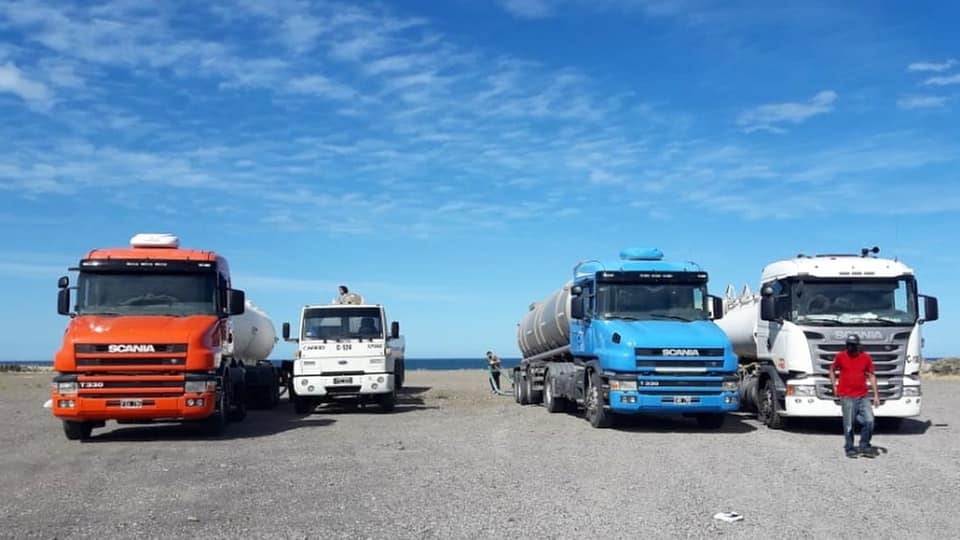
856 368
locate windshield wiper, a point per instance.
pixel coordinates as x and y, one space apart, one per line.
623 317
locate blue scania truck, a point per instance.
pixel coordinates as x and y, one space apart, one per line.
629 336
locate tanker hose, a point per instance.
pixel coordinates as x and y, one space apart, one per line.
493 382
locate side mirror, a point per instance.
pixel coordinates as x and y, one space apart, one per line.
576 307
576 291
716 307
395 330
768 308
63 301
766 291
63 282
235 302
931 309
286 331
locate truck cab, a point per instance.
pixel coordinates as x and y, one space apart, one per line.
147 337
345 350
809 305
632 336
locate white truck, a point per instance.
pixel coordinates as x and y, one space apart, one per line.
344 350
787 335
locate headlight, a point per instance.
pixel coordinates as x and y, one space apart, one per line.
911 391
730 385
913 358
804 390
67 388
623 386
199 387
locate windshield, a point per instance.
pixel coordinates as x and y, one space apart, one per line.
857 302
151 293
653 301
342 323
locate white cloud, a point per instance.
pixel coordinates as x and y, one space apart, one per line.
318 85
769 117
932 66
944 80
34 93
922 102
528 9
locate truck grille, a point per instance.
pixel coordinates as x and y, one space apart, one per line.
104 357
678 359
887 357
343 389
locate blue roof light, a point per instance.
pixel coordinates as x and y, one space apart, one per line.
641 254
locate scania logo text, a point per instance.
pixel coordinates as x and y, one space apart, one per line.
874 335
680 352
130 348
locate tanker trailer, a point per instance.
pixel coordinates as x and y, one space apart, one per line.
251 342
629 336
788 335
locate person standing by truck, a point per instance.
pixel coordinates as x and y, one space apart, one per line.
856 368
493 362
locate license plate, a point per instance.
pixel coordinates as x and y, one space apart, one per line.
131 403
343 380
683 400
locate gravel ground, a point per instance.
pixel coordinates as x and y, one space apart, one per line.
454 461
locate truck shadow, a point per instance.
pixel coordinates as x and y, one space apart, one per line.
257 424
734 423
834 426
408 400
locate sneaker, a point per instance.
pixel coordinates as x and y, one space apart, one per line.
852 453
869 452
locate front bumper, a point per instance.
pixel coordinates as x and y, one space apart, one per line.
150 408
324 386
633 402
813 406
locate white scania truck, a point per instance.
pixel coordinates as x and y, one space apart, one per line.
344 350
787 336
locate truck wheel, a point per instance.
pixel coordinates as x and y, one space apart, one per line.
217 422
768 410
550 401
593 404
301 405
524 390
239 410
533 396
77 431
387 402
516 387
711 421
400 374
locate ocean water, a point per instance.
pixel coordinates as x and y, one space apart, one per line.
411 363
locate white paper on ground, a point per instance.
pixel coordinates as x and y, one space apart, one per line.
729 517
48 404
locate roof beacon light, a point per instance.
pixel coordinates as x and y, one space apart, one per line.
641 254
155 240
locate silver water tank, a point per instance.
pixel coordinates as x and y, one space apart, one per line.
547 325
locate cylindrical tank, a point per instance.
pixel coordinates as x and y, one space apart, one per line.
739 323
547 325
253 334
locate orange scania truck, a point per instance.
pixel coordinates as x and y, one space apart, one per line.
149 339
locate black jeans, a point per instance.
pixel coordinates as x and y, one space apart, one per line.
495 383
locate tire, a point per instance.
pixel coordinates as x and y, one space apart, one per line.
711 421
216 423
533 397
550 401
239 410
524 390
516 386
387 402
768 407
400 374
593 404
301 405
77 431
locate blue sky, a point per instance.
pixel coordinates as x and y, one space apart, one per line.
453 160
